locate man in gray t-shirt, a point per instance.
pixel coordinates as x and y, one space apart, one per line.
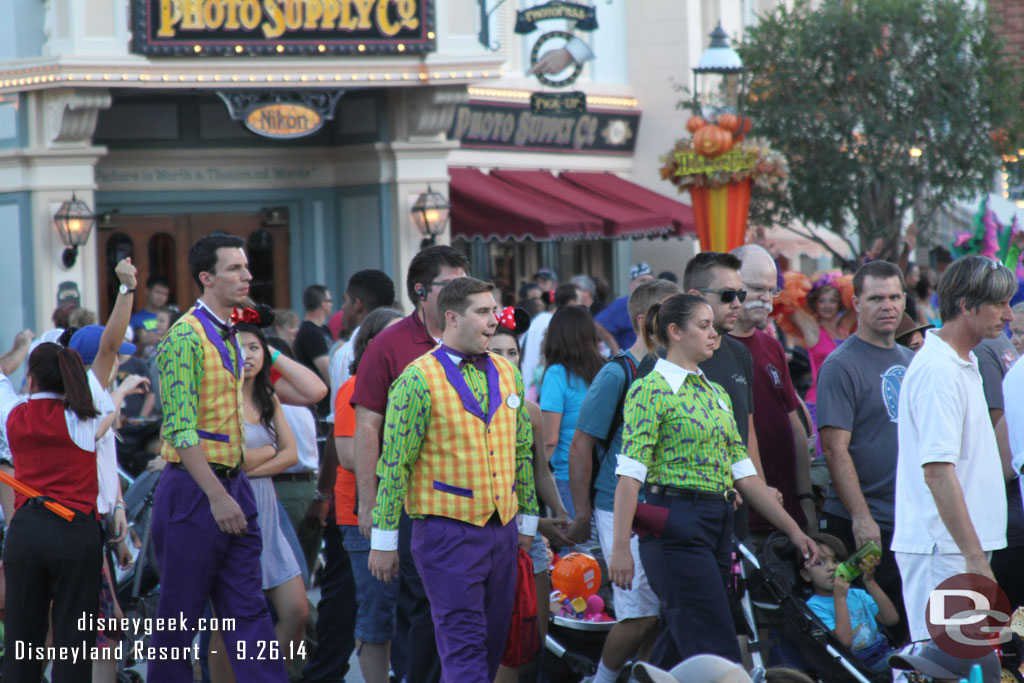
858 399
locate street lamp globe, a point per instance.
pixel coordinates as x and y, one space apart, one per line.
430 214
73 220
718 78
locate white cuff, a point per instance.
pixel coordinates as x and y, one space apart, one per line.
743 469
628 467
383 540
527 524
579 50
1017 463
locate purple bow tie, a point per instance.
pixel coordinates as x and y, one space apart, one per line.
477 360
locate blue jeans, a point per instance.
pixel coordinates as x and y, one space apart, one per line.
375 617
566 495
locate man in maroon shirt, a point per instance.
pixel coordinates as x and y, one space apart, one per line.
780 434
382 362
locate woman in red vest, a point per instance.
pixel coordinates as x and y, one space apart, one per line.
52 436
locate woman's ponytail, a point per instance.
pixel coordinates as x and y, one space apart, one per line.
77 395
650 331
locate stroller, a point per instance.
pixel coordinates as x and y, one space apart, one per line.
138 587
572 648
805 642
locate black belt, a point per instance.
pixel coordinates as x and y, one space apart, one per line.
222 471
726 496
295 476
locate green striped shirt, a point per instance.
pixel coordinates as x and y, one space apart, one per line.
180 361
686 438
409 403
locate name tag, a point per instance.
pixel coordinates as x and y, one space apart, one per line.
513 401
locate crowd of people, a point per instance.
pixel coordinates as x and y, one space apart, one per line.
405 461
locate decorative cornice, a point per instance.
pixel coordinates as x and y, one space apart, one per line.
69 116
429 112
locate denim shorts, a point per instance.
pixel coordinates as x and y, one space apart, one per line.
376 600
539 555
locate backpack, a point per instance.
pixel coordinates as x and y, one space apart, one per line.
523 641
633 372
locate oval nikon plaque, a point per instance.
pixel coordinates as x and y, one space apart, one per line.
283 120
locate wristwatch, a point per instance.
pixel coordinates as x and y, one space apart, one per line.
123 289
322 497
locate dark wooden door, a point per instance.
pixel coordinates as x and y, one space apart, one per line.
159 245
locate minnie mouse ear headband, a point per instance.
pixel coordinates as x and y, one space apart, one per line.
515 319
259 315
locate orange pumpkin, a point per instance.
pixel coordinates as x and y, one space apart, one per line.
695 123
745 125
730 122
710 141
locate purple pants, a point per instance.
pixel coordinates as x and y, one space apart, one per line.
199 562
469 574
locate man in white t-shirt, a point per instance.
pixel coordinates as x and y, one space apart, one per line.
948 520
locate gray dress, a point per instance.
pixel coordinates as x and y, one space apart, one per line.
277 559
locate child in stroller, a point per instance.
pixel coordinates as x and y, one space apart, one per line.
850 613
799 638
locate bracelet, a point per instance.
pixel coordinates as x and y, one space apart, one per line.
322 497
806 496
274 355
121 505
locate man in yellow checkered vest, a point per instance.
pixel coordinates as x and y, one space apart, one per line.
457 452
205 532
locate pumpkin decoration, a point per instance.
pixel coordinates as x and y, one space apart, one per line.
710 141
695 123
730 122
744 127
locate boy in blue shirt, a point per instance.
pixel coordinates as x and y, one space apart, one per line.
851 613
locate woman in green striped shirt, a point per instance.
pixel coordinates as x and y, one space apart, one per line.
681 445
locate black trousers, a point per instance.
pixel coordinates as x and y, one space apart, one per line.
335 613
688 569
887 575
49 559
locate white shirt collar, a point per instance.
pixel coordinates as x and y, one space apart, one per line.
674 374
44 395
938 345
199 302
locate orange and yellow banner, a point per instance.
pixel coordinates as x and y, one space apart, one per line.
721 215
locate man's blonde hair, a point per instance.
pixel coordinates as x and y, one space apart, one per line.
646 295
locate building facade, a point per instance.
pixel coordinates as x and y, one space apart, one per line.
157 114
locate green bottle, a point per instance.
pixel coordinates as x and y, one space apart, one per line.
849 569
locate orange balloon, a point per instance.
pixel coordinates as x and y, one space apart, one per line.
577 575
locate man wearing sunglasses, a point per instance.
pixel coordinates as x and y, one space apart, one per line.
780 434
716 277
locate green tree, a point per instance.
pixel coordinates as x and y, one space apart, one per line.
881 107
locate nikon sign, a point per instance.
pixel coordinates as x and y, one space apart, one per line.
272 27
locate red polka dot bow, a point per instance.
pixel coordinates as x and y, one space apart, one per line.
507 317
245 315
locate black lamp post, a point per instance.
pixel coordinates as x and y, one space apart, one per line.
718 79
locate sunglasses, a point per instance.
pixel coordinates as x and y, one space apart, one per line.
727 295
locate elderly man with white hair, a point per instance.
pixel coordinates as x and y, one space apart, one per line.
780 434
